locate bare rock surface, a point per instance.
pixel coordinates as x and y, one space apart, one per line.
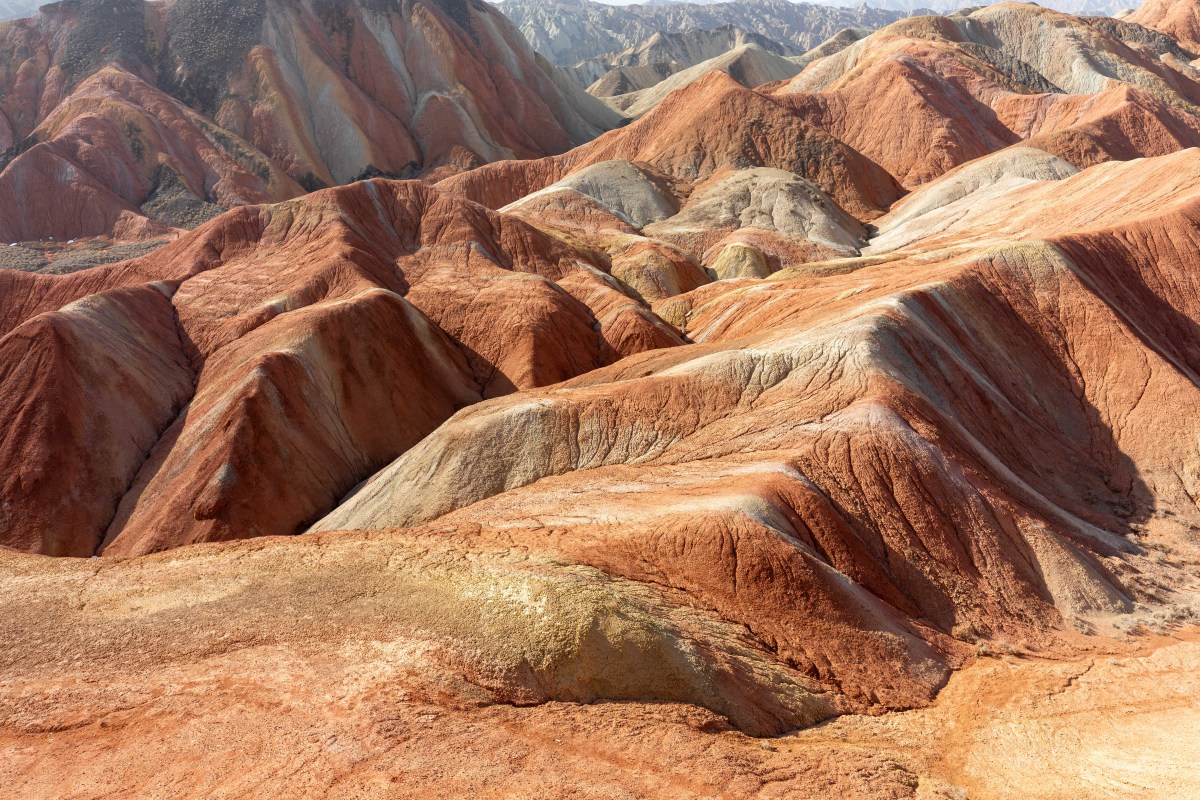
749 65
570 31
266 310
621 187
781 215
1178 20
961 87
767 446
664 54
127 119
336 682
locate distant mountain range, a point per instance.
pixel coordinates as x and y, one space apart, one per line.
570 31
1078 7
11 9
664 54
1082 7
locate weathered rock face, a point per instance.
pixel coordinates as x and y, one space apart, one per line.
708 416
116 354
1179 20
876 414
126 118
280 356
783 216
1021 74
713 124
958 88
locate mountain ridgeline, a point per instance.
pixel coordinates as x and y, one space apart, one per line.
830 428
570 31
220 103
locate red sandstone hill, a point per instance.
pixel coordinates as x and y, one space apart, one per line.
1179 19
310 317
125 118
958 88
766 410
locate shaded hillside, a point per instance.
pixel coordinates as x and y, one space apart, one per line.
125 118
769 445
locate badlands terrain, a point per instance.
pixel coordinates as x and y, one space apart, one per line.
566 31
828 432
130 119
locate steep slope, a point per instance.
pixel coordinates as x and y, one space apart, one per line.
116 354
954 196
1002 75
1146 39
109 103
960 88
867 419
837 431
710 125
110 148
258 372
772 213
834 44
1179 19
700 186
609 82
609 461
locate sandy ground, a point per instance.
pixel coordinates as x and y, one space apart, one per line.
1121 723
1109 725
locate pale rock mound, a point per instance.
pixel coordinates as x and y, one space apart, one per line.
973 187
664 54
749 65
621 187
784 215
